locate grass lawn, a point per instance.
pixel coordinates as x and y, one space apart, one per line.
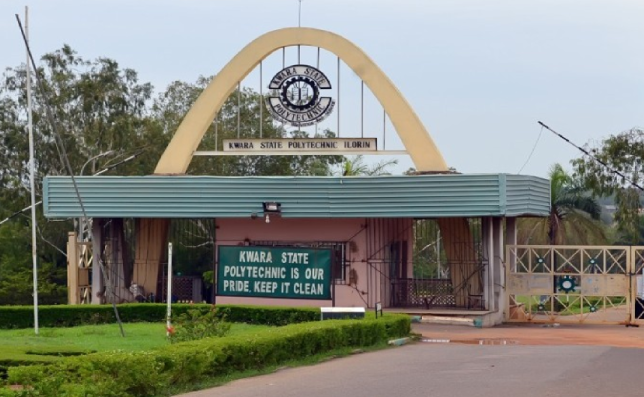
23 345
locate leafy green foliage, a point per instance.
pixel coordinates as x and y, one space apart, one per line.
100 109
573 219
194 324
623 152
208 278
627 216
268 315
73 315
356 166
427 255
18 286
13 356
16 277
148 373
109 120
238 118
23 347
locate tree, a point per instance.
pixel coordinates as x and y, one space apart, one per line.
100 110
623 153
104 115
573 219
355 166
238 118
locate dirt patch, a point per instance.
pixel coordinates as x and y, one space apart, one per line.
531 334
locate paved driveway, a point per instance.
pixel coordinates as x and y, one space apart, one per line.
454 370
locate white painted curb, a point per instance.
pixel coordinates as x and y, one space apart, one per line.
399 342
448 320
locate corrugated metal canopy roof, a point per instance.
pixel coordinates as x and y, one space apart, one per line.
409 196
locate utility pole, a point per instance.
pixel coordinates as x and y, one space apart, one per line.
32 172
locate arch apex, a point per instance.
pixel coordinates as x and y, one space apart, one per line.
416 139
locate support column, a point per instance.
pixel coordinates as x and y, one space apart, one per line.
114 263
151 239
458 244
489 254
511 263
72 269
498 264
511 237
98 281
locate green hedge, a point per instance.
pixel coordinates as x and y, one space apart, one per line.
153 372
72 315
13 356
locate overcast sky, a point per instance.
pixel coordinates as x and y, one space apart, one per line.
480 74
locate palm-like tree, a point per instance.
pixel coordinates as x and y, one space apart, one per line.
573 218
355 166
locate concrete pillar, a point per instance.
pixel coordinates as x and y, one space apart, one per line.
458 244
151 248
498 264
196 290
494 277
511 237
487 247
115 259
72 269
98 282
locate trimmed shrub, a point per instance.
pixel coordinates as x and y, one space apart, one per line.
73 315
149 373
195 325
268 315
13 356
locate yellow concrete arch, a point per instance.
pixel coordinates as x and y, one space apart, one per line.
419 145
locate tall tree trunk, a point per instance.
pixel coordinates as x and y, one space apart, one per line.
553 229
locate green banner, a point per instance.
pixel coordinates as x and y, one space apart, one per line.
299 273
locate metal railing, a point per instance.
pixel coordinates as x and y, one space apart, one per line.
426 293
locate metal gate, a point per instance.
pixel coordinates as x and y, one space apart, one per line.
575 284
637 284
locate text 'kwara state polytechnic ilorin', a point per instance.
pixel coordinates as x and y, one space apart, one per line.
294 145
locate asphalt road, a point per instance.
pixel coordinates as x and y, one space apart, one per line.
454 370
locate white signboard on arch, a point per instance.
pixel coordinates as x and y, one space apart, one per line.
297 146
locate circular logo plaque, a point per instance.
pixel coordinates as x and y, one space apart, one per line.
296 96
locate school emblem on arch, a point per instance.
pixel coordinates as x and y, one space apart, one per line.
297 96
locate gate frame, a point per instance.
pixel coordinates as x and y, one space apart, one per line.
631 271
637 253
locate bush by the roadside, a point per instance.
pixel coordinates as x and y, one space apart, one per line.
73 315
268 315
13 356
195 325
149 373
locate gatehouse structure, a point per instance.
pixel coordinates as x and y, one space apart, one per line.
431 240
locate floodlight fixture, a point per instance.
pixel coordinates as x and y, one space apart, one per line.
272 207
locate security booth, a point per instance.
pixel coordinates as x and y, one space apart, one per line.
427 241
418 241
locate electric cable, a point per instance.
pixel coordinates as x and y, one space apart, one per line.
614 171
532 151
